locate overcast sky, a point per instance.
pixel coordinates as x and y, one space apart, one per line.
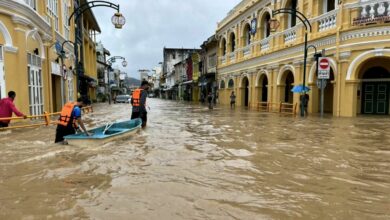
153 24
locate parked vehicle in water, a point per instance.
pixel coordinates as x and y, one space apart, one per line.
122 99
151 95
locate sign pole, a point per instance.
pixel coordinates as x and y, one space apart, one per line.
323 66
323 84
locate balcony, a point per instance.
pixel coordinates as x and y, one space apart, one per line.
223 59
327 21
290 35
264 44
373 12
232 56
247 50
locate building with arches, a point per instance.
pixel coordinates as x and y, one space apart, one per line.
263 66
31 33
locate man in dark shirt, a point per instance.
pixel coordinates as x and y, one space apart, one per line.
138 101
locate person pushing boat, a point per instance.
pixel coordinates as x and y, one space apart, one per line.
69 120
138 101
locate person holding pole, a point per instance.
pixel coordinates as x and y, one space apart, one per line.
7 107
70 119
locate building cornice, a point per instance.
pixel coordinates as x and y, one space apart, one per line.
23 14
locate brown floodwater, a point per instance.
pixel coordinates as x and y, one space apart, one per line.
193 163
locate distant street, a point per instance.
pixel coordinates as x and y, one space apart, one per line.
195 163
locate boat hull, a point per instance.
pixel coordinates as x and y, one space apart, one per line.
102 135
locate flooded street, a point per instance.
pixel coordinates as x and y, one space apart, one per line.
193 163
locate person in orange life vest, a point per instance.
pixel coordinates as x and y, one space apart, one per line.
138 101
7 107
69 120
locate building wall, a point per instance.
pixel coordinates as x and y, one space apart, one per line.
351 49
24 30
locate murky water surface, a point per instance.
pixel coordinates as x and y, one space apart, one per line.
192 163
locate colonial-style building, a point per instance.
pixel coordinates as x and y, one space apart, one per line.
31 35
261 66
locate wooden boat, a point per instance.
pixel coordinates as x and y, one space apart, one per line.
105 134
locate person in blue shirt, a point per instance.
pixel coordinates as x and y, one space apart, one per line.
70 120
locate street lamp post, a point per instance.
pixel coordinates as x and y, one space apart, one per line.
117 20
62 56
109 63
274 24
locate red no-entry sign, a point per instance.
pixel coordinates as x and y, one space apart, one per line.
323 68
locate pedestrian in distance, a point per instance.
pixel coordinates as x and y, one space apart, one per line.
70 120
7 107
210 100
304 98
232 100
138 101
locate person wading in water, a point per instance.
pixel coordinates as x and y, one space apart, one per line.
69 120
138 101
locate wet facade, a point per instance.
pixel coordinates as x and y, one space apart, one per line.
264 67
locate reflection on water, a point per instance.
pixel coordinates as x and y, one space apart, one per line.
193 163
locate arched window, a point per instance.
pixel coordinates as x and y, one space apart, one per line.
232 42
231 84
223 48
222 84
266 28
292 18
327 6
247 35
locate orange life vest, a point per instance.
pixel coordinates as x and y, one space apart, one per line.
136 98
66 115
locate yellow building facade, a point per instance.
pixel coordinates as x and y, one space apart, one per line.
264 67
29 62
31 35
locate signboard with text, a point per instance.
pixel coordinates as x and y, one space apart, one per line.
323 68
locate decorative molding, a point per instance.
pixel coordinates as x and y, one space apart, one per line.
345 55
281 55
367 32
363 56
234 18
17 8
11 49
17 19
20 30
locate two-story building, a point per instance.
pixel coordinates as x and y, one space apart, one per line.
31 34
262 66
173 56
208 76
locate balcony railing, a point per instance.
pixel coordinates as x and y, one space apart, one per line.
264 44
247 50
373 11
223 59
232 56
327 21
290 35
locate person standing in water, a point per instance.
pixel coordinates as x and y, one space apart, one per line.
138 101
232 100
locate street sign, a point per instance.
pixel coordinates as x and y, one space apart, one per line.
323 68
321 85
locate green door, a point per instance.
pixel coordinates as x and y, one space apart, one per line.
375 98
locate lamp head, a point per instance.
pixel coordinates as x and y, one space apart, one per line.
274 24
118 20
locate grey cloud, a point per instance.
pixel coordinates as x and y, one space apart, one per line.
153 24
